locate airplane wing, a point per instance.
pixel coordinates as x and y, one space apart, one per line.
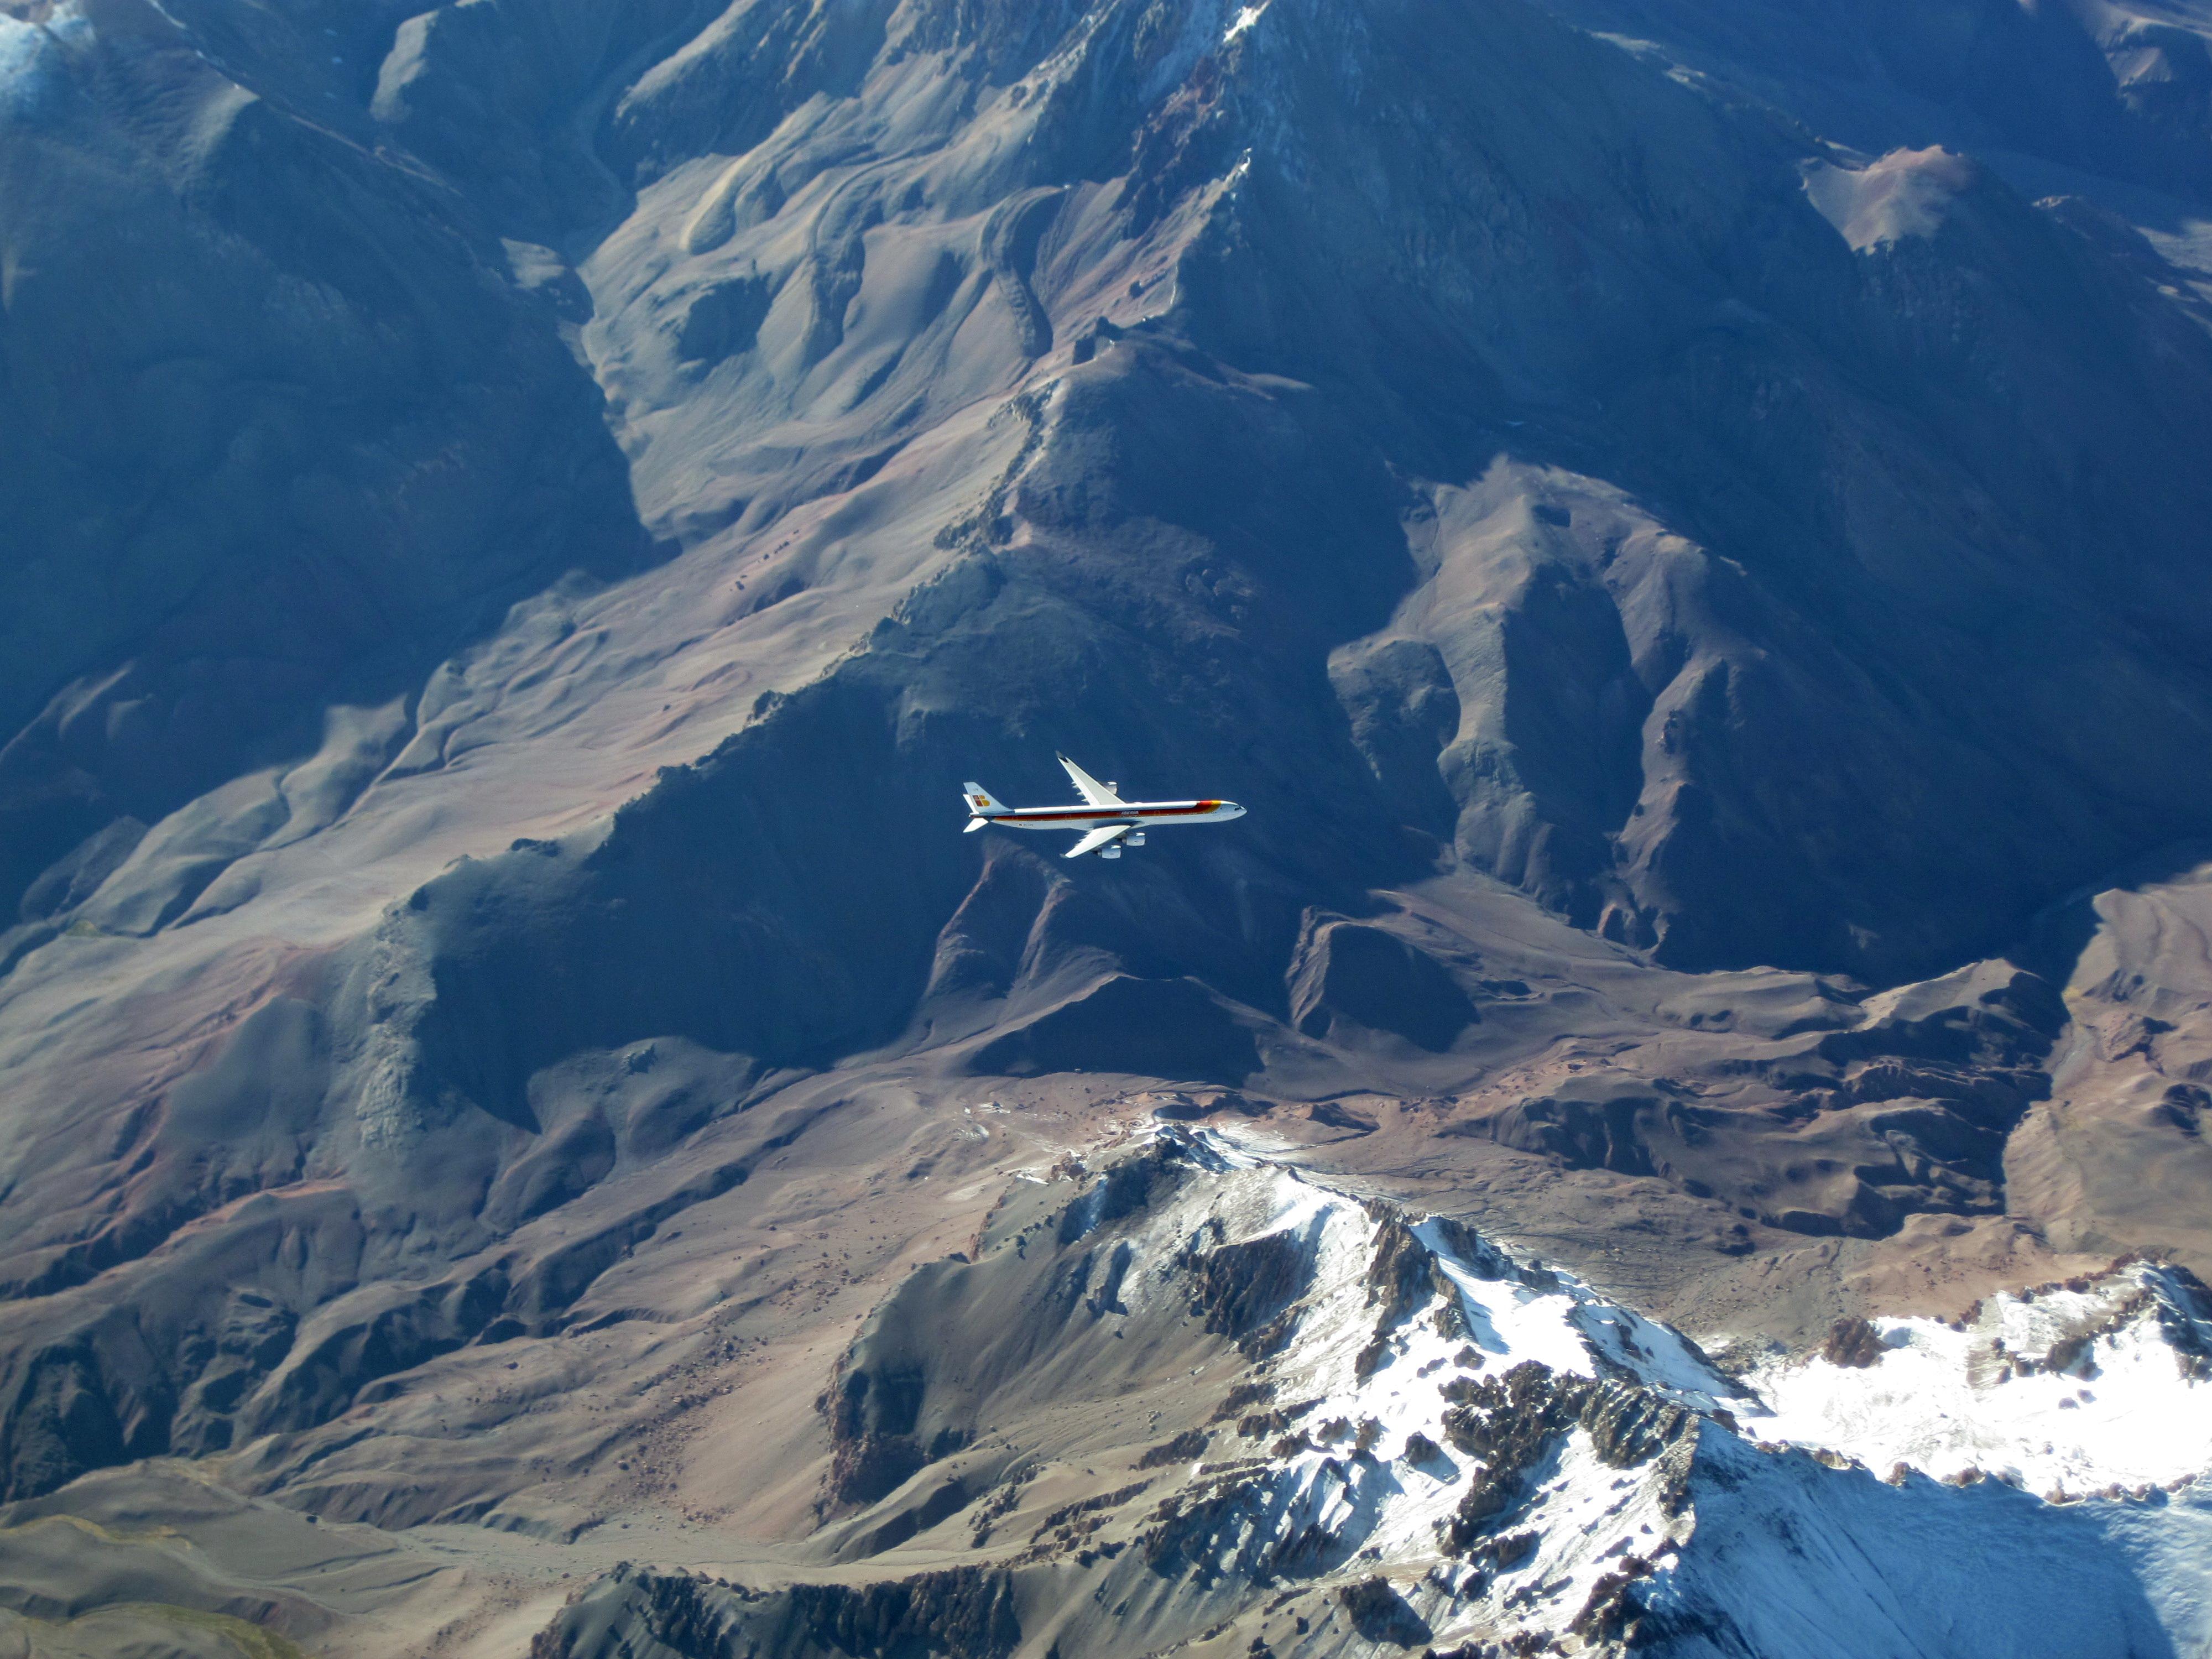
1096 794
1097 838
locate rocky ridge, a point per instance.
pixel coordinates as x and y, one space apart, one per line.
1447 1446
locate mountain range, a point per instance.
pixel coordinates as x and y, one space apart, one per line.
523 1123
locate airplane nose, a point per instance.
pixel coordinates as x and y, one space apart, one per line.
1233 809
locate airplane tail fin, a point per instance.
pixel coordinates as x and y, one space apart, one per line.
982 805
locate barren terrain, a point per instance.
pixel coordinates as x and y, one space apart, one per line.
525 1127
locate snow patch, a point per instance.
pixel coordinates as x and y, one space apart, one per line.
2072 1392
32 76
1790 1557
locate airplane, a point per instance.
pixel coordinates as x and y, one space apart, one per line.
1108 822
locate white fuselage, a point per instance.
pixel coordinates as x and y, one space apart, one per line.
1137 815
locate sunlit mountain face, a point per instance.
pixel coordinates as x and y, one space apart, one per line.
1673 1122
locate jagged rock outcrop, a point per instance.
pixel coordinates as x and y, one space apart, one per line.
960 1613
1511 1423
